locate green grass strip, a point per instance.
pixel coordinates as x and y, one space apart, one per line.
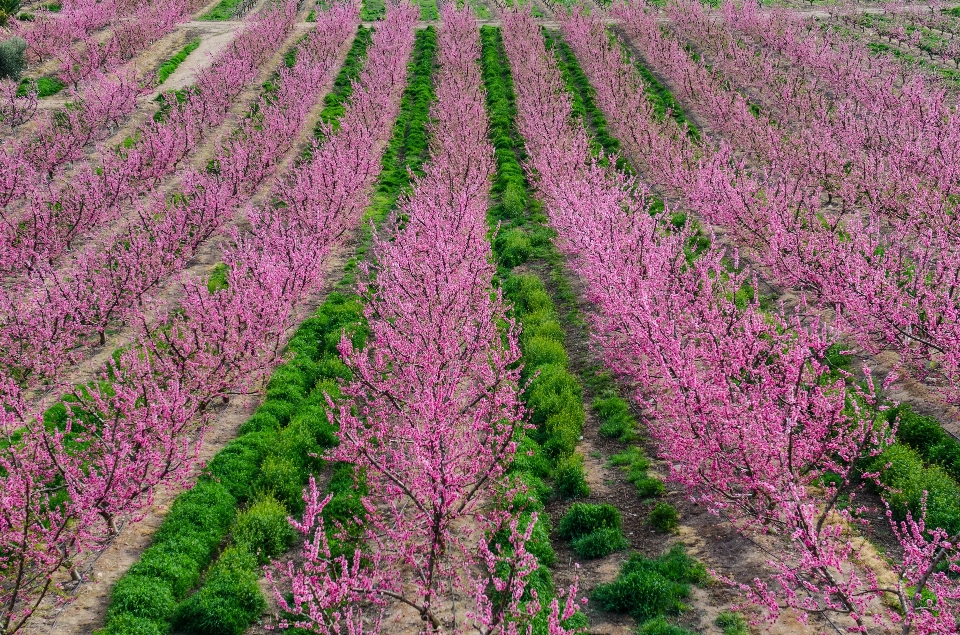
224 11
292 423
167 68
147 597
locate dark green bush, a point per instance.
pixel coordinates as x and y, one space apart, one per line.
167 562
569 478
647 588
127 624
205 511
141 596
649 486
660 626
284 479
928 438
642 595
229 601
732 623
259 422
664 517
263 529
12 57
600 543
282 410
584 518
512 248
237 464
614 416
908 479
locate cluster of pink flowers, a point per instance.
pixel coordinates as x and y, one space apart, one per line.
50 33
145 25
67 485
741 400
51 308
432 413
848 198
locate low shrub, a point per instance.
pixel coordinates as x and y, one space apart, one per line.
614 416
513 248
229 601
169 563
660 626
648 588
281 477
528 294
907 479
649 486
263 529
569 479
584 518
664 517
600 543
539 351
141 596
732 623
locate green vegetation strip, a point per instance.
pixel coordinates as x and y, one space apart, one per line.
266 462
224 11
555 397
167 68
261 531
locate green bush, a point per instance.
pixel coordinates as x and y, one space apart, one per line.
539 351
732 623
660 626
600 543
649 486
642 595
206 511
648 588
263 529
569 478
237 464
259 422
528 294
907 479
512 248
12 58
664 517
126 624
282 410
542 325
515 198
928 438
167 562
141 596
229 601
614 416
284 479
584 518
555 399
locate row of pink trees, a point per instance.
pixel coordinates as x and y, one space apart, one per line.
54 197
67 487
50 33
149 22
848 214
54 310
741 400
432 414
